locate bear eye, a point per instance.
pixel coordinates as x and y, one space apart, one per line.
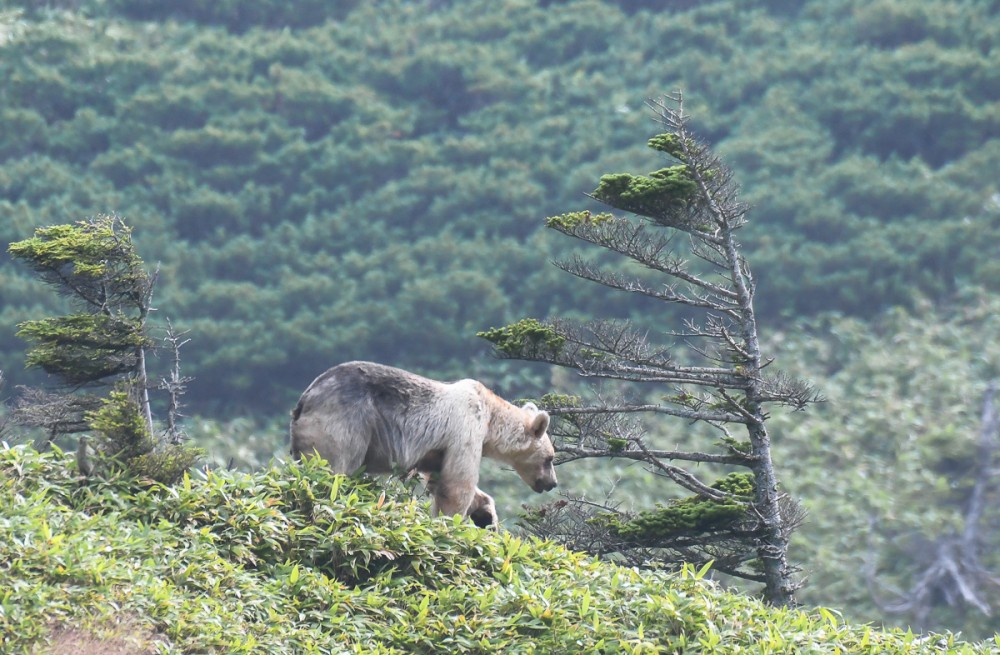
549 460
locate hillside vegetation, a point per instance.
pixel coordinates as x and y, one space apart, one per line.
330 181
294 560
323 181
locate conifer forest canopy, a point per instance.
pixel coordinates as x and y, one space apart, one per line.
329 181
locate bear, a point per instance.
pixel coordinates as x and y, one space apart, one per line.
386 420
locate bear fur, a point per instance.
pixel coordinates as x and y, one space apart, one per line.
387 420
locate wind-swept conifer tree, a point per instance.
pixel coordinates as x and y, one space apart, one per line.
708 369
103 343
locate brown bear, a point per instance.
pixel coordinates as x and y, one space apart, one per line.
387 420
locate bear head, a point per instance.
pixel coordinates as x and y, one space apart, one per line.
535 462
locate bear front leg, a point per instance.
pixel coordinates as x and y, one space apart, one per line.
482 510
453 497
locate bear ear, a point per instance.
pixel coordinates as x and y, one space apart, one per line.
539 424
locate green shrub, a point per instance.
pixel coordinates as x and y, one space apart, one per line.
124 439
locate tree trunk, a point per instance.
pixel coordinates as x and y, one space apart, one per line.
143 382
773 545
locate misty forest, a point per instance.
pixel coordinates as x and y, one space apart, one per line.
448 187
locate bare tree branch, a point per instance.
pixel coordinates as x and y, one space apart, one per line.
584 270
654 252
679 412
176 384
570 453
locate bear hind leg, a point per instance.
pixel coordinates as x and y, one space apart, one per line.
483 511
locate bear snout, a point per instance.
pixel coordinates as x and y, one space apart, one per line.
542 485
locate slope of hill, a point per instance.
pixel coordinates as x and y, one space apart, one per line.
294 560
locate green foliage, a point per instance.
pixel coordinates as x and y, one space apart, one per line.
662 189
572 220
526 336
737 445
737 484
293 559
231 14
691 515
552 400
887 465
367 182
121 425
664 195
881 469
616 445
167 464
864 134
124 441
94 251
81 348
94 264
670 144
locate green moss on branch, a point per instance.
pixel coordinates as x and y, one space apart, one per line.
691 515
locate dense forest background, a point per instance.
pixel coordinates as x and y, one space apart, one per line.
325 181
